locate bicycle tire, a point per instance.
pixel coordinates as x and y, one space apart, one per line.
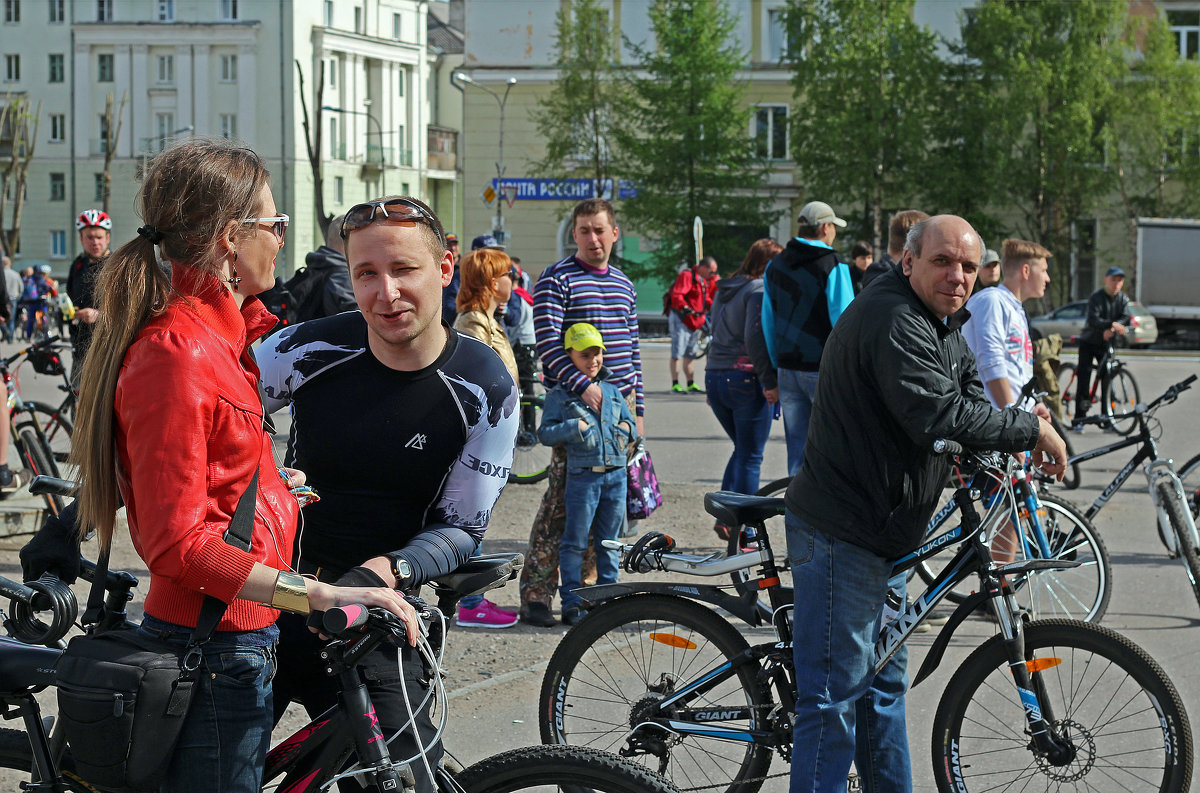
611 665
775 527
1185 543
1066 385
1123 397
1189 474
981 740
531 460
57 428
1079 593
17 755
1073 475
552 767
35 459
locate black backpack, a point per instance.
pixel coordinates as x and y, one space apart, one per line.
310 299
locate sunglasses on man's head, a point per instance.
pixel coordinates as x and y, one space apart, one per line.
397 211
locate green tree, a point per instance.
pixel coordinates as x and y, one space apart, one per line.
1042 78
576 117
684 140
1152 145
866 78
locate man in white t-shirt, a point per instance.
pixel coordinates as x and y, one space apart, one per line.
998 331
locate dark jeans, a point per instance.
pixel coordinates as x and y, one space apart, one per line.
1083 376
737 400
227 732
302 678
595 505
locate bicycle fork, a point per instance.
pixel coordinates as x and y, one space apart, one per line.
1160 471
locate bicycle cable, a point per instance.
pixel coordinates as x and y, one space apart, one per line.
57 598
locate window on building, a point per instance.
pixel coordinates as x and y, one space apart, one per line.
229 68
58 127
1083 250
12 11
103 130
58 244
58 187
166 10
1186 27
166 68
335 152
12 68
229 125
358 19
401 79
165 124
776 38
328 13
397 28
57 12
104 67
770 131
57 69
229 10
339 189
98 192
333 70
104 10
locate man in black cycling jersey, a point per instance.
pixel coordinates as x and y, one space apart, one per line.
405 428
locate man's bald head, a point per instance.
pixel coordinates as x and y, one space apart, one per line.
941 260
333 235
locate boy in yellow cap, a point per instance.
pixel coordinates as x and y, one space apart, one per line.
596 483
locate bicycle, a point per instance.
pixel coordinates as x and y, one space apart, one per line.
1175 510
654 672
33 428
1122 391
344 741
531 460
57 421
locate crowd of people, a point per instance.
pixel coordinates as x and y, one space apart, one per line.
421 355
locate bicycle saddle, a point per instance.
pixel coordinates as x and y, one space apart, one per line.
480 574
736 509
25 666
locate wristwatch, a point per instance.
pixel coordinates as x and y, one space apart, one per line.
401 569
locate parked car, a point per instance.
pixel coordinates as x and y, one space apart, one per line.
1068 320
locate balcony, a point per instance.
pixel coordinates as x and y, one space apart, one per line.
387 157
442 148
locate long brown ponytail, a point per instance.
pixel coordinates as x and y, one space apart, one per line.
190 195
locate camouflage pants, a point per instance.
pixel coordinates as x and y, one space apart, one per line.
539 576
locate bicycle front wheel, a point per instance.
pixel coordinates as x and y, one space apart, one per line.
1099 691
1066 385
1185 542
1189 474
17 755
531 460
606 679
559 768
34 456
1123 397
56 427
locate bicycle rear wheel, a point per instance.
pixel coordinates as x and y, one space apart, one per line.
17 755
33 454
774 527
1123 397
531 460
555 768
1185 542
57 429
1098 690
611 670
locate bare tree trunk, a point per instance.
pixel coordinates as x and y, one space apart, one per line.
312 139
110 145
24 126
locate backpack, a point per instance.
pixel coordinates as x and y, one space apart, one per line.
308 289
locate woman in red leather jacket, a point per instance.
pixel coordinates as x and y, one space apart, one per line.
173 425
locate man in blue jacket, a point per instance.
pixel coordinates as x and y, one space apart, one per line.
805 290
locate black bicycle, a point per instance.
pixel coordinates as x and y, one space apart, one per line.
1110 377
655 673
38 432
531 460
344 741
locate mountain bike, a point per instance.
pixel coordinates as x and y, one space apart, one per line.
57 421
655 673
32 427
1122 390
344 741
531 460
1173 504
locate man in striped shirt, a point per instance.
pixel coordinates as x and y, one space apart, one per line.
580 288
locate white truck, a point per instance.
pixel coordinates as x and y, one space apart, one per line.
1168 274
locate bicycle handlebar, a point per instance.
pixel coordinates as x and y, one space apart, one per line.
47 342
1170 395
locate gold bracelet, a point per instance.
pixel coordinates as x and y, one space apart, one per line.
291 593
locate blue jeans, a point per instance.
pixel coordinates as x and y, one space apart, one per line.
228 729
595 504
737 400
844 711
797 390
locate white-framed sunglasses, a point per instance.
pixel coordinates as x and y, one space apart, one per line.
278 224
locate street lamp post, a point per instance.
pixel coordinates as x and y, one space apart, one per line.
379 132
498 230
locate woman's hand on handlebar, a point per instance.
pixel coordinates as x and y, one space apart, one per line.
1050 453
322 597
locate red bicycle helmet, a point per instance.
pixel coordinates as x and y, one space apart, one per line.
93 217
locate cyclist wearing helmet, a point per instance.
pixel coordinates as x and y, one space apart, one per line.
95 230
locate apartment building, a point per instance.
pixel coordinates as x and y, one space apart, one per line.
247 70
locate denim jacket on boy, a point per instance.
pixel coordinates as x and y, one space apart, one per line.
603 443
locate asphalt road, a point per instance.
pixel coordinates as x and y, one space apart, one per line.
493 676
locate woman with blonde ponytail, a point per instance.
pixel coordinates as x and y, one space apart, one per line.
170 423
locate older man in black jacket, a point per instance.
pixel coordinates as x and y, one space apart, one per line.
895 376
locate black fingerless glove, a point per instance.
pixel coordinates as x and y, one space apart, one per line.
360 576
54 549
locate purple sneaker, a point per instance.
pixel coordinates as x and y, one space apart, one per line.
486 615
